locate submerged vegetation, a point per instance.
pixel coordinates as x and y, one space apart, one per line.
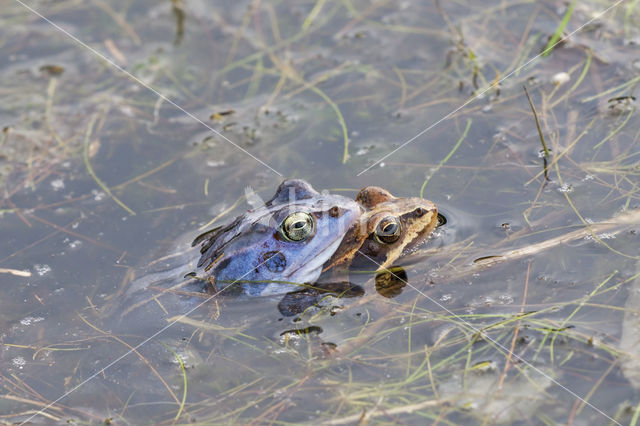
523 307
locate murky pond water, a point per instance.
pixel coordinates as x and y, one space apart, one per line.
521 308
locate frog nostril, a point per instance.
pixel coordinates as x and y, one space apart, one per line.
334 211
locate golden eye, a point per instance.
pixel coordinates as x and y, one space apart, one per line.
297 226
388 230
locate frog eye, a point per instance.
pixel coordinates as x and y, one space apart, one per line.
297 226
388 230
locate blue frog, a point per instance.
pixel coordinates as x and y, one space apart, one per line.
279 246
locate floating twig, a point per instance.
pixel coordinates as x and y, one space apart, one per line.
535 115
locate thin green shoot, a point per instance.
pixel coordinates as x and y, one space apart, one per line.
558 34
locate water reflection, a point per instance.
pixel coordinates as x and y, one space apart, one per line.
391 283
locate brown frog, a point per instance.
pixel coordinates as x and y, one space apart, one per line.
389 227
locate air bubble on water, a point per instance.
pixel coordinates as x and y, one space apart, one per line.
429 172
213 163
183 356
127 111
446 298
75 244
365 149
567 188
98 195
57 184
30 320
19 362
588 177
505 299
42 269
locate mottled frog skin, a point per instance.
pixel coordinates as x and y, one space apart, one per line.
280 246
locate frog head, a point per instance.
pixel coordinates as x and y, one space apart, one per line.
389 227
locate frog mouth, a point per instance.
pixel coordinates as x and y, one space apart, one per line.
312 267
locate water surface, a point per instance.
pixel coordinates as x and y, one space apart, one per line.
100 177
